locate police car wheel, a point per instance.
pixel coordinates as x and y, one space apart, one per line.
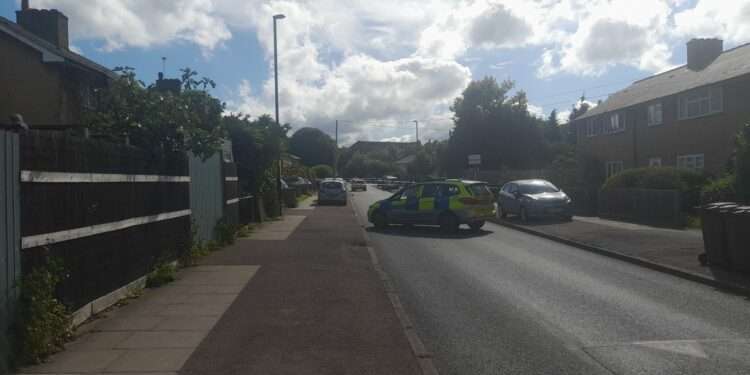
476 226
379 220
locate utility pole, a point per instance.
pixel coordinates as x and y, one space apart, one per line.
416 126
336 153
276 87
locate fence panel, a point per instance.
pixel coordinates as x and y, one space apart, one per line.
10 241
110 212
647 206
206 194
231 193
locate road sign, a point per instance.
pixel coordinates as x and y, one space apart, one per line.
475 159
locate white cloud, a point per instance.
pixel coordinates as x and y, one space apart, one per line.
498 27
536 110
714 18
139 23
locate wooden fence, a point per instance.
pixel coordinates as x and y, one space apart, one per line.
110 212
10 265
231 194
655 207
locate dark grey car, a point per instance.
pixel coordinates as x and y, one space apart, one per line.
533 198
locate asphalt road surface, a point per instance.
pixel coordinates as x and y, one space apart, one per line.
506 302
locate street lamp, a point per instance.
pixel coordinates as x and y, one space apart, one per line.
276 85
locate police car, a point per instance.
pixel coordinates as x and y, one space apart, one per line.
447 203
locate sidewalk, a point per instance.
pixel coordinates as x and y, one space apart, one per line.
299 296
668 250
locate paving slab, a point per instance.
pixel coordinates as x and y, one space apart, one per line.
278 230
150 360
157 332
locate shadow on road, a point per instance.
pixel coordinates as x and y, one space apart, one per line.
427 232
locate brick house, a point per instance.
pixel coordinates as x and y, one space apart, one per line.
685 117
40 78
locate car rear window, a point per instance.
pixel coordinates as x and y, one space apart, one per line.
331 185
479 190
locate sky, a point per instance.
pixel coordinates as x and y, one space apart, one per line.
378 65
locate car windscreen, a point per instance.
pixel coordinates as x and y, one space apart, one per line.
537 188
332 185
479 190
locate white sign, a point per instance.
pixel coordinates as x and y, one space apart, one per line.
475 159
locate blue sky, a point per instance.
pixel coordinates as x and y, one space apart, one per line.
377 66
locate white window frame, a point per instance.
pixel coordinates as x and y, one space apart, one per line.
590 127
654 162
612 168
694 162
651 114
711 97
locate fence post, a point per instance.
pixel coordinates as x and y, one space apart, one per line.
10 232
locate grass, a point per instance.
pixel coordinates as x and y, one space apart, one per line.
245 230
164 273
302 197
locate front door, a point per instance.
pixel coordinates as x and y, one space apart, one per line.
427 213
405 206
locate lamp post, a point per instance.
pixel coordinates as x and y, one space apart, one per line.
276 85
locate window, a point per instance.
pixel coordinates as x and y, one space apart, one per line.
694 162
590 127
479 190
429 191
616 123
700 102
654 162
410 192
613 168
536 188
448 190
654 114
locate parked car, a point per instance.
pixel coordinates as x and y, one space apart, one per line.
533 198
448 204
332 191
358 184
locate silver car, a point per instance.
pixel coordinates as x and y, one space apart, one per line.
332 191
533 198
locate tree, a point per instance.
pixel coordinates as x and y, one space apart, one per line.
421 166
256 145
313 146
552 128
491 122
322 171
156 120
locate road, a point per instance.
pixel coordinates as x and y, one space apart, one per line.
506 302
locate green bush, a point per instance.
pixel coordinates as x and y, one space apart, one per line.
164 273
688 183
43 322
720 190
225 233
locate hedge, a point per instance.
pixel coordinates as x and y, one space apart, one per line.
688 182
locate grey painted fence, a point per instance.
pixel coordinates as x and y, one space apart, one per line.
10 241
647 206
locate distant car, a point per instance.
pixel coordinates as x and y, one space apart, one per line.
533 198
332 191
448 204
358 184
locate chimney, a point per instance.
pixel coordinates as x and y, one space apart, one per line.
702 52
50 25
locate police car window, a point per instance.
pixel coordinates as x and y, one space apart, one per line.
409 193
429 191
448 190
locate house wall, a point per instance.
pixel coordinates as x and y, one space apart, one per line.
43 93
711 135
